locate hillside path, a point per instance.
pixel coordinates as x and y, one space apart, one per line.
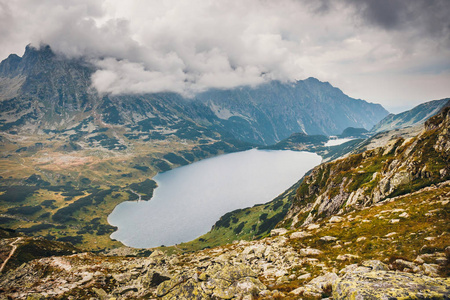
14 247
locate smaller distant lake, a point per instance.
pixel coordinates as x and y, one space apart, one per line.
336 142
190 199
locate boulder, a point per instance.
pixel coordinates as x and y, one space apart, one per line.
375 265
346 257
217 282
431 269
328 238
313 226
278 231
317 287
309 252
390 285
402 264
324 282
299 235
336 219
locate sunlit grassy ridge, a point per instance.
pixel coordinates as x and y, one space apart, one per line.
421 228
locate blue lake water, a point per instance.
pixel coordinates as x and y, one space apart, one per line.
190 199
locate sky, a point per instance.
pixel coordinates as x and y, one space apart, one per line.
392 52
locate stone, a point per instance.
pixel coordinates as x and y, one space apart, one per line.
328 238
304 276
419 260
309 291
390 285
336 219
393 221
278 231
430 269
390 234
348 269
360 239
375 265
154 279
309 252
407 264
324 282
283 279
100 293
404 215
312 226
299 235
442 261
346 257
218 281
277 294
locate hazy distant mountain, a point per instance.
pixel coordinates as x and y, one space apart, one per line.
417 115
273 111
44 92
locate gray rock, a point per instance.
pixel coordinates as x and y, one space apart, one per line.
375 265
309 252
278 231
407 264
328 238
431 269
299 235
218 281
390 285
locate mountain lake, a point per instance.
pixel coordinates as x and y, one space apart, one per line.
190 199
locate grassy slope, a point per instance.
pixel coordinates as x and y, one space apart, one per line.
424 231
244 224
56 179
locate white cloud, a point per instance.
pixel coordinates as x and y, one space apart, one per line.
379 52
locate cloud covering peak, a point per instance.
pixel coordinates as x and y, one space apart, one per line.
190 46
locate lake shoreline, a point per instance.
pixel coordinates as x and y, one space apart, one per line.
126 206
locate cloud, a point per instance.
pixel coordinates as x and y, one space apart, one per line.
430 16
190 46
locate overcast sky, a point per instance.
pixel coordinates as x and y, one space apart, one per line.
393 52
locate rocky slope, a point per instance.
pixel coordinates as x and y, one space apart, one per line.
408 235
360 180
415 116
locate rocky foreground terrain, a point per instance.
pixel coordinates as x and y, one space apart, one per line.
374 253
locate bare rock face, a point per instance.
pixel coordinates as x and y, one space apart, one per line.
390 285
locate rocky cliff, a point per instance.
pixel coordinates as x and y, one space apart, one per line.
360 180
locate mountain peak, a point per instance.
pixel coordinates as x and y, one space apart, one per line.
43 50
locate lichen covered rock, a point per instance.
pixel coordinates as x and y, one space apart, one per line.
390 285
217 282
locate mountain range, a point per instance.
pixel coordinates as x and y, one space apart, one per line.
44 92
